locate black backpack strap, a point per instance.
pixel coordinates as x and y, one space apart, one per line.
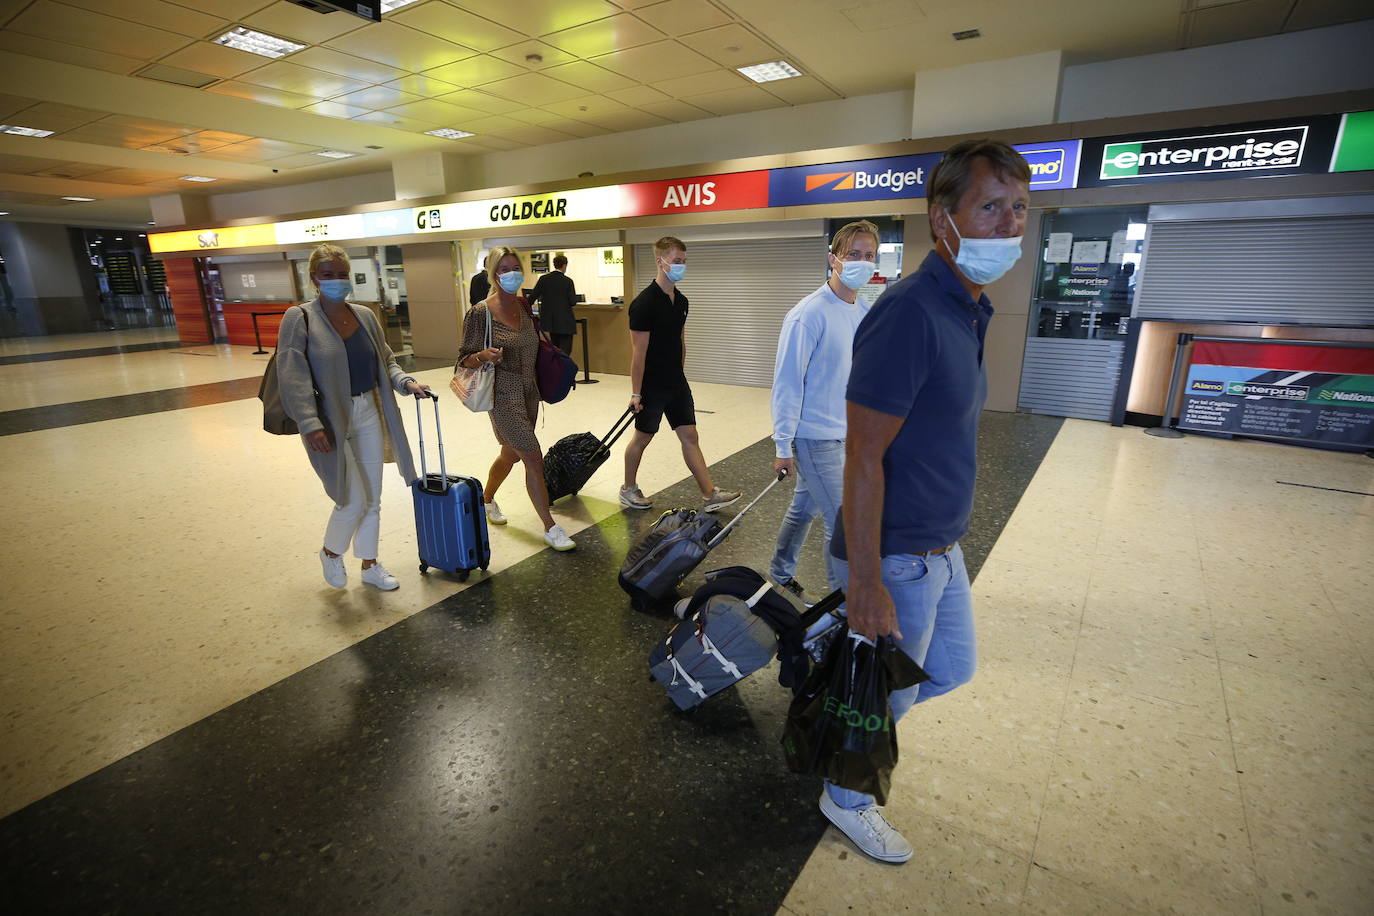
827 604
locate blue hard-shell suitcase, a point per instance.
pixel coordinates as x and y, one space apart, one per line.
450 515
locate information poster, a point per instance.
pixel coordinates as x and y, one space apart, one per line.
1310 393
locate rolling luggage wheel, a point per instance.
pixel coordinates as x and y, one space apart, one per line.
462 574
424 568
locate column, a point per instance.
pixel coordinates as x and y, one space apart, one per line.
437 299
46 278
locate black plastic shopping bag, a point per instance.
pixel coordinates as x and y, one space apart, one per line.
840 725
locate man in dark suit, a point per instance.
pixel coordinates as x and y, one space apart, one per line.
556 296
480 288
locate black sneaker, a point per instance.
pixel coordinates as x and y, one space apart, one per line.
796 588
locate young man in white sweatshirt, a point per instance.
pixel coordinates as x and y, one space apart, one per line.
809 379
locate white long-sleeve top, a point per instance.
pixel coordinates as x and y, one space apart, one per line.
815 352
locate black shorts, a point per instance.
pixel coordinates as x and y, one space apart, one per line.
674 403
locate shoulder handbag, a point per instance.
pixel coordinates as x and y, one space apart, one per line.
475 387
554 371
274 417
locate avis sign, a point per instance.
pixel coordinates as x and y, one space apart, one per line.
736 191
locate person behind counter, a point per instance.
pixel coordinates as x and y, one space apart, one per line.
557 294
480 287
515 401
330 345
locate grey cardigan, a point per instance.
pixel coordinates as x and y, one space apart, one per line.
328 357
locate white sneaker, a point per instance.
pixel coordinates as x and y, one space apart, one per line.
869 830
376 575
334 572
558 539
494 516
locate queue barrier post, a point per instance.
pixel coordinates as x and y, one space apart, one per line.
586 370
257 335
1166 429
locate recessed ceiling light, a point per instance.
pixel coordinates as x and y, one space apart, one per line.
334 154
81 199
196 178
119 238
389 5
142 235
372 146
773 70
258 43
966 34
4 213
449 133
24 131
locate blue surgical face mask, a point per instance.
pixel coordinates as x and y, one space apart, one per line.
855 274
675 272
985 261
335 290
511 280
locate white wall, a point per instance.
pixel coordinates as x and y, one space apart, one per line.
992 95
1313 62
303 198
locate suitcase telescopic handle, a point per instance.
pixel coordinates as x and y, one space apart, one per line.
618 430
438 434
720 536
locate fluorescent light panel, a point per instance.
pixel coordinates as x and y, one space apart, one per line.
773 70
448 133
257 43
25 131
80 199
334 154
196 178
389 5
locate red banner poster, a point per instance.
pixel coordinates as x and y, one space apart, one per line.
735 191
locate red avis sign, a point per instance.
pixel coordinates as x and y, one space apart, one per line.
735 191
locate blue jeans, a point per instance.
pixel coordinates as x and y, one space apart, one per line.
820 485
935 614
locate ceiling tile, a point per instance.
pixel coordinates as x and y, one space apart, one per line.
217 60
731 45
715 81
1315 14
129 176
534 136
484 126
449 22
376 97
337 62
641 4
679 17
586 108
801 90
630 119
54 21
578 128
475 71
423 86
257 151
498 144
227 9
335 109
533 89
67 54
52 116
9 104
1237 21
534 116
589 76
539 17
476 98
433 110
167 15
604 36
395 121
637 95
661 61
392 43
517 53
131 133
65 170
734 101
197 143
264 94
290 21
302 80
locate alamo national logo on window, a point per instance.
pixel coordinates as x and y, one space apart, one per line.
1237 152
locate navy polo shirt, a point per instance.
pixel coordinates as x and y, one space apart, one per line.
918 355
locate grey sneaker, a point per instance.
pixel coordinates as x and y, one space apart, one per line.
719 499
634 498
869 830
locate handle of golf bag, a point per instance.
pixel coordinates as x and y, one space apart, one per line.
625 422
720 536
826 605
439 434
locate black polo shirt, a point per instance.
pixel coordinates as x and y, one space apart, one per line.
663 318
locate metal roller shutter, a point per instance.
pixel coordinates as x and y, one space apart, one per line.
1070 378
1309 270
739 293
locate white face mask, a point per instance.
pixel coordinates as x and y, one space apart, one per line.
985 261
855 274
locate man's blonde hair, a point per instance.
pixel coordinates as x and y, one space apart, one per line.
844 237
326 253
667 244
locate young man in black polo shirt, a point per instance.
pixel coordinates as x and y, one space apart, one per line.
657 318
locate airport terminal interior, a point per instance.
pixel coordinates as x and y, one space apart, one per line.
1172 539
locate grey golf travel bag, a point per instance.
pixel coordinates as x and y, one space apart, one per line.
674 546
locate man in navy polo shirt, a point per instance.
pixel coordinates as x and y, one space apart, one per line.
915 392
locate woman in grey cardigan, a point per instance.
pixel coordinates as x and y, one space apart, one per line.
338 348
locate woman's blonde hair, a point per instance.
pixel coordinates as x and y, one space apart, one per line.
494 258
326 253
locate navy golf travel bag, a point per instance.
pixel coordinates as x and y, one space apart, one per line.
674 546
450 514
571 461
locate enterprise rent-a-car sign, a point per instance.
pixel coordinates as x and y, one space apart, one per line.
1266 150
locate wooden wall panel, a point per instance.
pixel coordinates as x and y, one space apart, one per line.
188 300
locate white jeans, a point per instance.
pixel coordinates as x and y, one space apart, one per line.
359 519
